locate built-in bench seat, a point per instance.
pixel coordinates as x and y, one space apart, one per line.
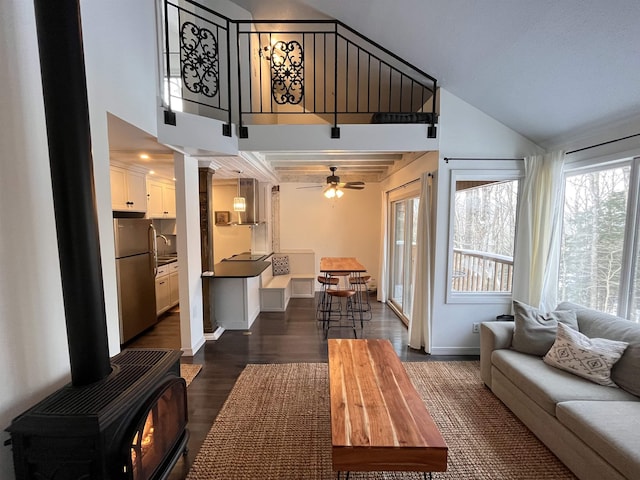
277 290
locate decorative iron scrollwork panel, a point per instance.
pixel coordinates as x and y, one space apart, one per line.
287 72
199 60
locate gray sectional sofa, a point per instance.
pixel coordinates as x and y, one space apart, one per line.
593 429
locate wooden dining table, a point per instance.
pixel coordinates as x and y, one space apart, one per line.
341 265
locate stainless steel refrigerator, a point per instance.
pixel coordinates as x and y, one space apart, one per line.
135 270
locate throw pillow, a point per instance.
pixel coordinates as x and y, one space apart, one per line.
280 265
534 331
590 358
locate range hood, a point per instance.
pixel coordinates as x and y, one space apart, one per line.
253 215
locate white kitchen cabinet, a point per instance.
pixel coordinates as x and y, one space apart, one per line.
174 291
162 200
163 295
128 190
167 290
236 301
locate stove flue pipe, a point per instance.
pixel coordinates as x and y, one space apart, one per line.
67 118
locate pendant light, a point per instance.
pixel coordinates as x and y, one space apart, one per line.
239 202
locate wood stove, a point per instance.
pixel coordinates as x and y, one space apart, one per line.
119 418
131 425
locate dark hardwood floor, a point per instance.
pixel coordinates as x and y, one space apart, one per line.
289 337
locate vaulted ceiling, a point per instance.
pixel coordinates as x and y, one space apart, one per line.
550 70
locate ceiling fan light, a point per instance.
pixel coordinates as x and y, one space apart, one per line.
330 192
339 193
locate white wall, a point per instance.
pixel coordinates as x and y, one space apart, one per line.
123 85
189 248
465 132
390 137
345 227
33 344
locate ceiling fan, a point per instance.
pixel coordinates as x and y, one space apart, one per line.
334 187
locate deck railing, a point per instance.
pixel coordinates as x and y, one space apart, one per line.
273 72
475 271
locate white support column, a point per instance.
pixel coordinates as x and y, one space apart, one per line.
188 229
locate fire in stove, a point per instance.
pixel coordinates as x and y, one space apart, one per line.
156 436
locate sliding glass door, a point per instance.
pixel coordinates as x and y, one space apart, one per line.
402 253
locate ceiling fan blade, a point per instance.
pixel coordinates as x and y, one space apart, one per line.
310 186
353 187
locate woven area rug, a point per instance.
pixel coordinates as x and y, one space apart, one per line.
275 425
188 371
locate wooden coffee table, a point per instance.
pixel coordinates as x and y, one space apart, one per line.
378 421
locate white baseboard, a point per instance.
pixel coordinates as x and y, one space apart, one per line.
455 351
215 335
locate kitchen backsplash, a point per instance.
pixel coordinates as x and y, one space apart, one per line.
167 228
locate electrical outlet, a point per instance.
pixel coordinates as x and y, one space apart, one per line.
476 328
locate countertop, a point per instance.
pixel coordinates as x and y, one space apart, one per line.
247 257
166 259
242 269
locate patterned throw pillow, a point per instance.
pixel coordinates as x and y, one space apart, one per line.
590 358
280 265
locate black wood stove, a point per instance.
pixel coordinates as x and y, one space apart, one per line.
131 425
119 418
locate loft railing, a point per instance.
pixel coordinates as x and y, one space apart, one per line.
328 71
475 271
196 54
273 72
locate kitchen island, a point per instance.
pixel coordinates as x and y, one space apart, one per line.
236 290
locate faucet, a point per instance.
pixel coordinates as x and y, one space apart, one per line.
166 242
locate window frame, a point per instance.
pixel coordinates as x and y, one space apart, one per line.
409 192
497 174
631 238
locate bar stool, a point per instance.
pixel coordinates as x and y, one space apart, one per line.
348 295
342 284
324 301
361 305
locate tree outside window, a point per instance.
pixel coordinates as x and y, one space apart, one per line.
483 235
592 258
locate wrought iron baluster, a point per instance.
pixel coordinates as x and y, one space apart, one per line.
199 59
287 72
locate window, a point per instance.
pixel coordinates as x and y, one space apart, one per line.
482 234
173 93
599 252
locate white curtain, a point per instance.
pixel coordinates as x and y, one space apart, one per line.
420 322
382 281
537 249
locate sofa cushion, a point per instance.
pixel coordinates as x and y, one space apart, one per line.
610 428
547 385
602 325
590 358
535 331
